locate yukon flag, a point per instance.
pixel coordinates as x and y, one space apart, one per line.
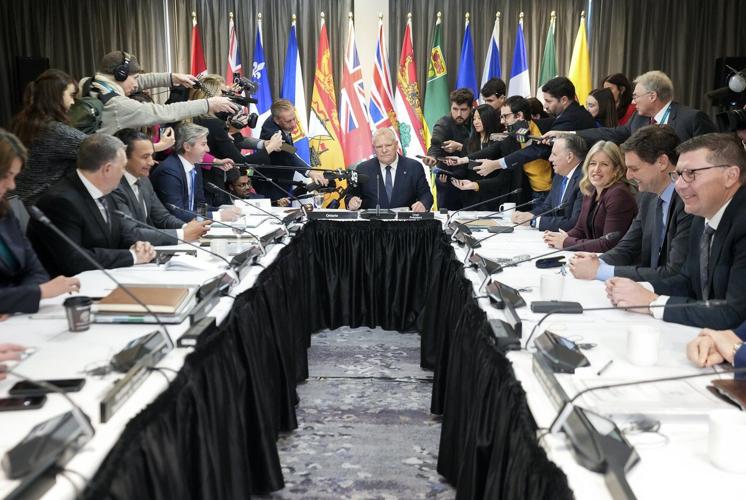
234 56
259 76
323 126
467 73
492 61
520 83
292 90
381 104
548 69
407 100
198 66
356 138
580 66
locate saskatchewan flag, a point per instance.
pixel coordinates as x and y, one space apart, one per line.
436 89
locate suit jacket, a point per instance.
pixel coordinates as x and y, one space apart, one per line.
446 129
631 256
279 158
575 117
616 210
156 214
566 217
727 273
72 209
19 288
170 184
686 122
410 185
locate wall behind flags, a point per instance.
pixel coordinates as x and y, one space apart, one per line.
681 37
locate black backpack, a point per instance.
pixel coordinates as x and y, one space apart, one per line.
85 113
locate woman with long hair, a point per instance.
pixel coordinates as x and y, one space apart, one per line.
44 128
23 280
608 203
621 89
600 104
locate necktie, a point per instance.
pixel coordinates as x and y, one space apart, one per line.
653 121
565 181
389 182
704 260
659 231
140 198
193 174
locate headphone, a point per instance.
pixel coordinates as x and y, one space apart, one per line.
122 71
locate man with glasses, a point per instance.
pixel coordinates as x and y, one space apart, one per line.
653 96
400 181
709 179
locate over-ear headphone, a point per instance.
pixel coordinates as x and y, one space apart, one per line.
122 71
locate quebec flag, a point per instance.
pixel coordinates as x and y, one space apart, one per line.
259 75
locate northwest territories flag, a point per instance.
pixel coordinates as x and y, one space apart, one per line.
519 80
259 75
292 90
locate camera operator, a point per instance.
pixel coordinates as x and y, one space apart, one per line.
119 75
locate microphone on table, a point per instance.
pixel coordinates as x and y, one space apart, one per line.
474 243
562 307
124 215
214 188
195 214
450 217
463 226
41 217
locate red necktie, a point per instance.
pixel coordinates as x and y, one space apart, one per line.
653 122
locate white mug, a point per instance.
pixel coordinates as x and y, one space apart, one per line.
507 210
727 440
219 246
642 344
551 286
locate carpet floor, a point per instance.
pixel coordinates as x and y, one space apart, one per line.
365 430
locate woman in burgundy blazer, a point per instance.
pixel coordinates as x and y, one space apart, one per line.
608 202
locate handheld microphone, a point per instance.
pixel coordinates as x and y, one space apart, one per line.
614 235
561 417
174 207
577 308
214 188
515 191
143 224
478 243
41 217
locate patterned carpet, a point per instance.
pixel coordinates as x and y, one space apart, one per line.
365 430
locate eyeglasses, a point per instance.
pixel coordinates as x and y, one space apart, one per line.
506 115
690 174
637 96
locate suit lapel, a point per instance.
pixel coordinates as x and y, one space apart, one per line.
723 231
134 202
92 207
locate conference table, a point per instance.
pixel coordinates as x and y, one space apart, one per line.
204 424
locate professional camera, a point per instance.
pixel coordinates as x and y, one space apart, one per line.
731 121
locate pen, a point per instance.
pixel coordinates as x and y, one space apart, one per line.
606 367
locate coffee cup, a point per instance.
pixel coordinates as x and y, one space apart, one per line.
78 311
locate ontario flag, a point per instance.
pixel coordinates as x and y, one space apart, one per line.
407 100
234 56
356 138
382 114
293 91
198 66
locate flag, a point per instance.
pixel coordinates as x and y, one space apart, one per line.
292 90
381 105
259 75
467 73
323 127
519 84
492 61
407 100
548 69
436 88
234 56
353 114
580 65
198 66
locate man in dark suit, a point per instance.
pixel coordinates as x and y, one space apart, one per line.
653 96
401 181
709 179
449 137
81 207
713 347
178 180
135 196
283 119
656 243
567 158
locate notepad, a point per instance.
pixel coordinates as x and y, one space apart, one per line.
163 300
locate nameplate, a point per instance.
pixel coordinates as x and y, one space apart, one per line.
415 215
336 215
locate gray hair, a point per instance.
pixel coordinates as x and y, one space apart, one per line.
575 145
658 82
384 131
188 133
97 150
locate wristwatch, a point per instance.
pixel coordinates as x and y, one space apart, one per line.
736 347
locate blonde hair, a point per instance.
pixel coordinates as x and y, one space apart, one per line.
213 86
615 155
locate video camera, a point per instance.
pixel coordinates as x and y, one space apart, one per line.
244 101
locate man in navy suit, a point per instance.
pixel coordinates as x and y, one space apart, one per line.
567 158
401 181
178 180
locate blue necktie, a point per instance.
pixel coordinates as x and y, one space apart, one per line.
564 188
389 182
193 173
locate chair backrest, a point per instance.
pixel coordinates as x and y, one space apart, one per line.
19 210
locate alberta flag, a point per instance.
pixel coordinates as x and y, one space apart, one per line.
519 80
492 61
259 75
292 90
467 73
